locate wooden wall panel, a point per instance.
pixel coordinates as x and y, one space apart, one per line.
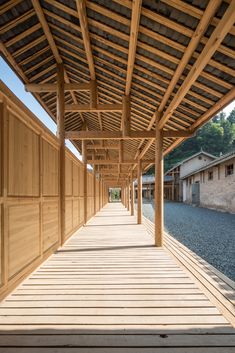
81 181
1 243
75 179
23 163
23 237
50 169
68 176
68 216
50 224
76 221
81 211
29 193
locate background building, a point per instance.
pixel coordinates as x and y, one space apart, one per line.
173 185
212 185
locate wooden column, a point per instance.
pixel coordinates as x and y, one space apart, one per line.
139 205
4 249
84 159
132 194
94 187
61 137
128 193
159 222
173 186
99 192
124 194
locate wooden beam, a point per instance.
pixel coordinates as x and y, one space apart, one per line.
159 222
114 161
81 8
126 116
208 14
44 24
46 29
87 108
97 147
178 133
61 137
139 192
133 134
208 51
52 87
135 19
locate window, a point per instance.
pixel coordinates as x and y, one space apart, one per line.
210 175
229 169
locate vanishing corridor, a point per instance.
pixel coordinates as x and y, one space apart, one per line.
109 289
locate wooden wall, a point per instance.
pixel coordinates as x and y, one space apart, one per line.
29 192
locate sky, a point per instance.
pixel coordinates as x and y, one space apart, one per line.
17 87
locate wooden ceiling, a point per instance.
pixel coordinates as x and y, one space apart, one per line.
172 56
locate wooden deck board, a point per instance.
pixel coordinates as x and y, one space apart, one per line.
108 289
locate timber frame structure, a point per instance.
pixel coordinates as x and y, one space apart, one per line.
126 82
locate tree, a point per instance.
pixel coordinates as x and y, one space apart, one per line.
231 117
217 136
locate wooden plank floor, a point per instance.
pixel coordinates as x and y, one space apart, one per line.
108 289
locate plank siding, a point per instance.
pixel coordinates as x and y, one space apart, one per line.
29 191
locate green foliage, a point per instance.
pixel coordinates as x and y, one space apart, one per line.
217 136
115 194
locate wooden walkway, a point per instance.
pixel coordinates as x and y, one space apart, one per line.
109 290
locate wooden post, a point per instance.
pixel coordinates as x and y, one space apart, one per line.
159 223
84 159
128 193
139 206
4 249
173 186
124 194
132 194
94 189
99 192
61 137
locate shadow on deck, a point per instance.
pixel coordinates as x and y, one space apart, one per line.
109 289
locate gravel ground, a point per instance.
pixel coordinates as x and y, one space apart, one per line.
209 233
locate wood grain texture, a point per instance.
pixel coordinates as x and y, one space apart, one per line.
29 196
109 289
23 163
23 236
50 169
